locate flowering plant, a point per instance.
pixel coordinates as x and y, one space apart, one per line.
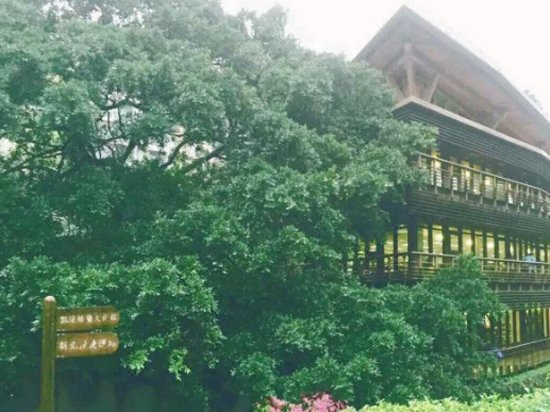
320 402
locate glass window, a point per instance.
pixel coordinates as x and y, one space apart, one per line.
454 241
360 248
388 246
402 240
490 246
372 247
476 180
479 244
512 248
501 247
465 177
423 239
489 187
467 243
437 239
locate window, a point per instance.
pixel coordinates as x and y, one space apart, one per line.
437 239
490 246
478 247
467 242
423 239
402 240
454 242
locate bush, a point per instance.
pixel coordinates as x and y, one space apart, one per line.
362 344
538 401
525 382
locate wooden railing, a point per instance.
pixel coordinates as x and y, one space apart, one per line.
415 266
468 184
495 270
524 356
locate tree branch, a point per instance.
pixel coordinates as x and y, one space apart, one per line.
173 155
197 162
43 155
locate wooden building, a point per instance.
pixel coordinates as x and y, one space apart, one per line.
489 180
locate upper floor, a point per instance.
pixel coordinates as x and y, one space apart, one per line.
425 63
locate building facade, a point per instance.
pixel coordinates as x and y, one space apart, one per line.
488 189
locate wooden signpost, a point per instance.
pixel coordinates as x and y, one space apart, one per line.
73 332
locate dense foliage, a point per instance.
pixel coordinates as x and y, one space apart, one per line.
208 176
537 401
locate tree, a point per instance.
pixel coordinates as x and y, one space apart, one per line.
171 159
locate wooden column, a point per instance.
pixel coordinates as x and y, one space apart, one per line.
409 70
48 355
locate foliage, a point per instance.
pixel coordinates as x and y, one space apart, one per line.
525 382
537 401
363 345
163 304
208 176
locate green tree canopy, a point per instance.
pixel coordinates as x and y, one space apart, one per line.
207 175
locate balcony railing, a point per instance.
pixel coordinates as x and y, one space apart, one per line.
495 270
415 266
473 185
524 356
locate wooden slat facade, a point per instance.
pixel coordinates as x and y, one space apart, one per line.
495 212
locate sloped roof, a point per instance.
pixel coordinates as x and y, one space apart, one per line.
482 89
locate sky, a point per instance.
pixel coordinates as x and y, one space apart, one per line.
511 35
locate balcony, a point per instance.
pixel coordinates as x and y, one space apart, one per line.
496 271
517 282
483 189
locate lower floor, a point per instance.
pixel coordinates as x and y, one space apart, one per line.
516 266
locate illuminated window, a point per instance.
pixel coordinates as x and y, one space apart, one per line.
402 240
437 239
490 246
512 249
467 243
361 249
479 244
502 247
489 187
423 239
476 180
454 240
372 247
388 246
543 253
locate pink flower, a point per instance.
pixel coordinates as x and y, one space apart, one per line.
320 402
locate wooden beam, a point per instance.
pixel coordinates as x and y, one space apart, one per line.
430 90
498 118
395 86
478 102
409 70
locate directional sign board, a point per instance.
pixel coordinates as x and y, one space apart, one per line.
82 319
70 333
71 345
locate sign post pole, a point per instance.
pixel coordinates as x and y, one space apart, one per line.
47 387
69 333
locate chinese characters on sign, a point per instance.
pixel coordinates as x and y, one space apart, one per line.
81 319
86 344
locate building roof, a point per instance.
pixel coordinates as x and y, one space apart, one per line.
422 60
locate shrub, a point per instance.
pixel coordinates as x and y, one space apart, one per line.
537 401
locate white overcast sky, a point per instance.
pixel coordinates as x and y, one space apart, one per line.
512 35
